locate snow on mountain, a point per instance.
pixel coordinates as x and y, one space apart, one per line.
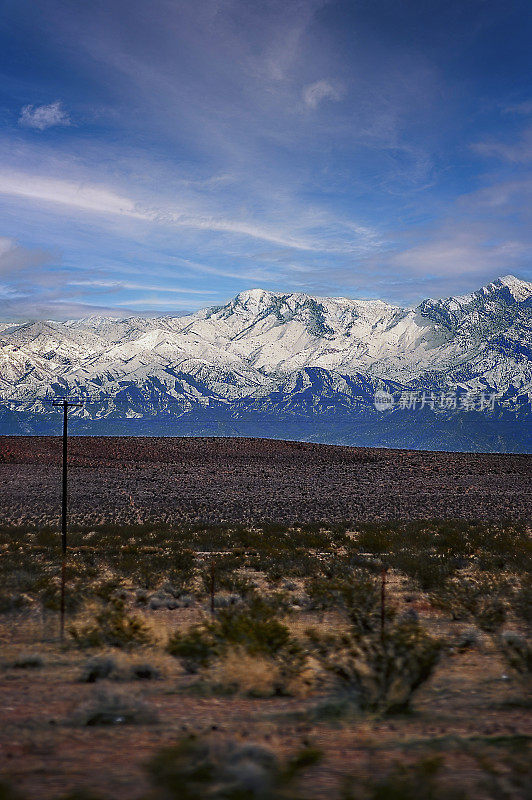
264 343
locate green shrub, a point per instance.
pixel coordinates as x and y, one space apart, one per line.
113 627
517 651
380 673
253 627
214 769
28 661
417 781
97 669
522 600
196 648
428 569
114 709
481 597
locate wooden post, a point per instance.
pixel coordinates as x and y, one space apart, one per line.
64 500
212 584
66 404
383 601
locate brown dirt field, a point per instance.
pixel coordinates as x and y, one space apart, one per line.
467 710
174 480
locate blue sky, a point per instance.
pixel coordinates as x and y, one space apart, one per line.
161 157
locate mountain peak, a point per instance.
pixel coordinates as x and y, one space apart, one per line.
518 288
254 297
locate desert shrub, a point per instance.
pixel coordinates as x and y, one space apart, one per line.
252 628
238 671
380 673
106 588
203 769
481 597
141 597
418 781
112 626
196 648
517 651
28 661
375 538
428 569
182 568
13 602
358 598
144 671
490 614
97 669
522 600
467 640
107 708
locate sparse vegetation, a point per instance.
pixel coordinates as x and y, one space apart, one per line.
98 668
201 769
293 650
421 780
113 708
28 661
379 672
112 626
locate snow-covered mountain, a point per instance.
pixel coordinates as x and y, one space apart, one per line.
274 353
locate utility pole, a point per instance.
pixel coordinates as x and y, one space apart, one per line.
212 586
383 600
66 404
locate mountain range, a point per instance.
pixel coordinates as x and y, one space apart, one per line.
286 365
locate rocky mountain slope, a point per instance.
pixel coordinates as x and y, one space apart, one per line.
271 356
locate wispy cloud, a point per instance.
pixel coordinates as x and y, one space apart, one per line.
81 196
516 152
18 260
524 108
45 116
118 285
316 93
311 230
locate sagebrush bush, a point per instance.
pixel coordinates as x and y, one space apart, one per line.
28 661
522 600
517 651
252 628
418 781
98 668
224 769
113 708
481 597
195 648
144 671
380 673
114 627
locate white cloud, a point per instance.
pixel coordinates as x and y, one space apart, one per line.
516 152
128 285
315 93
45 116
519 108
77 195
459 254
98 199
17 260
